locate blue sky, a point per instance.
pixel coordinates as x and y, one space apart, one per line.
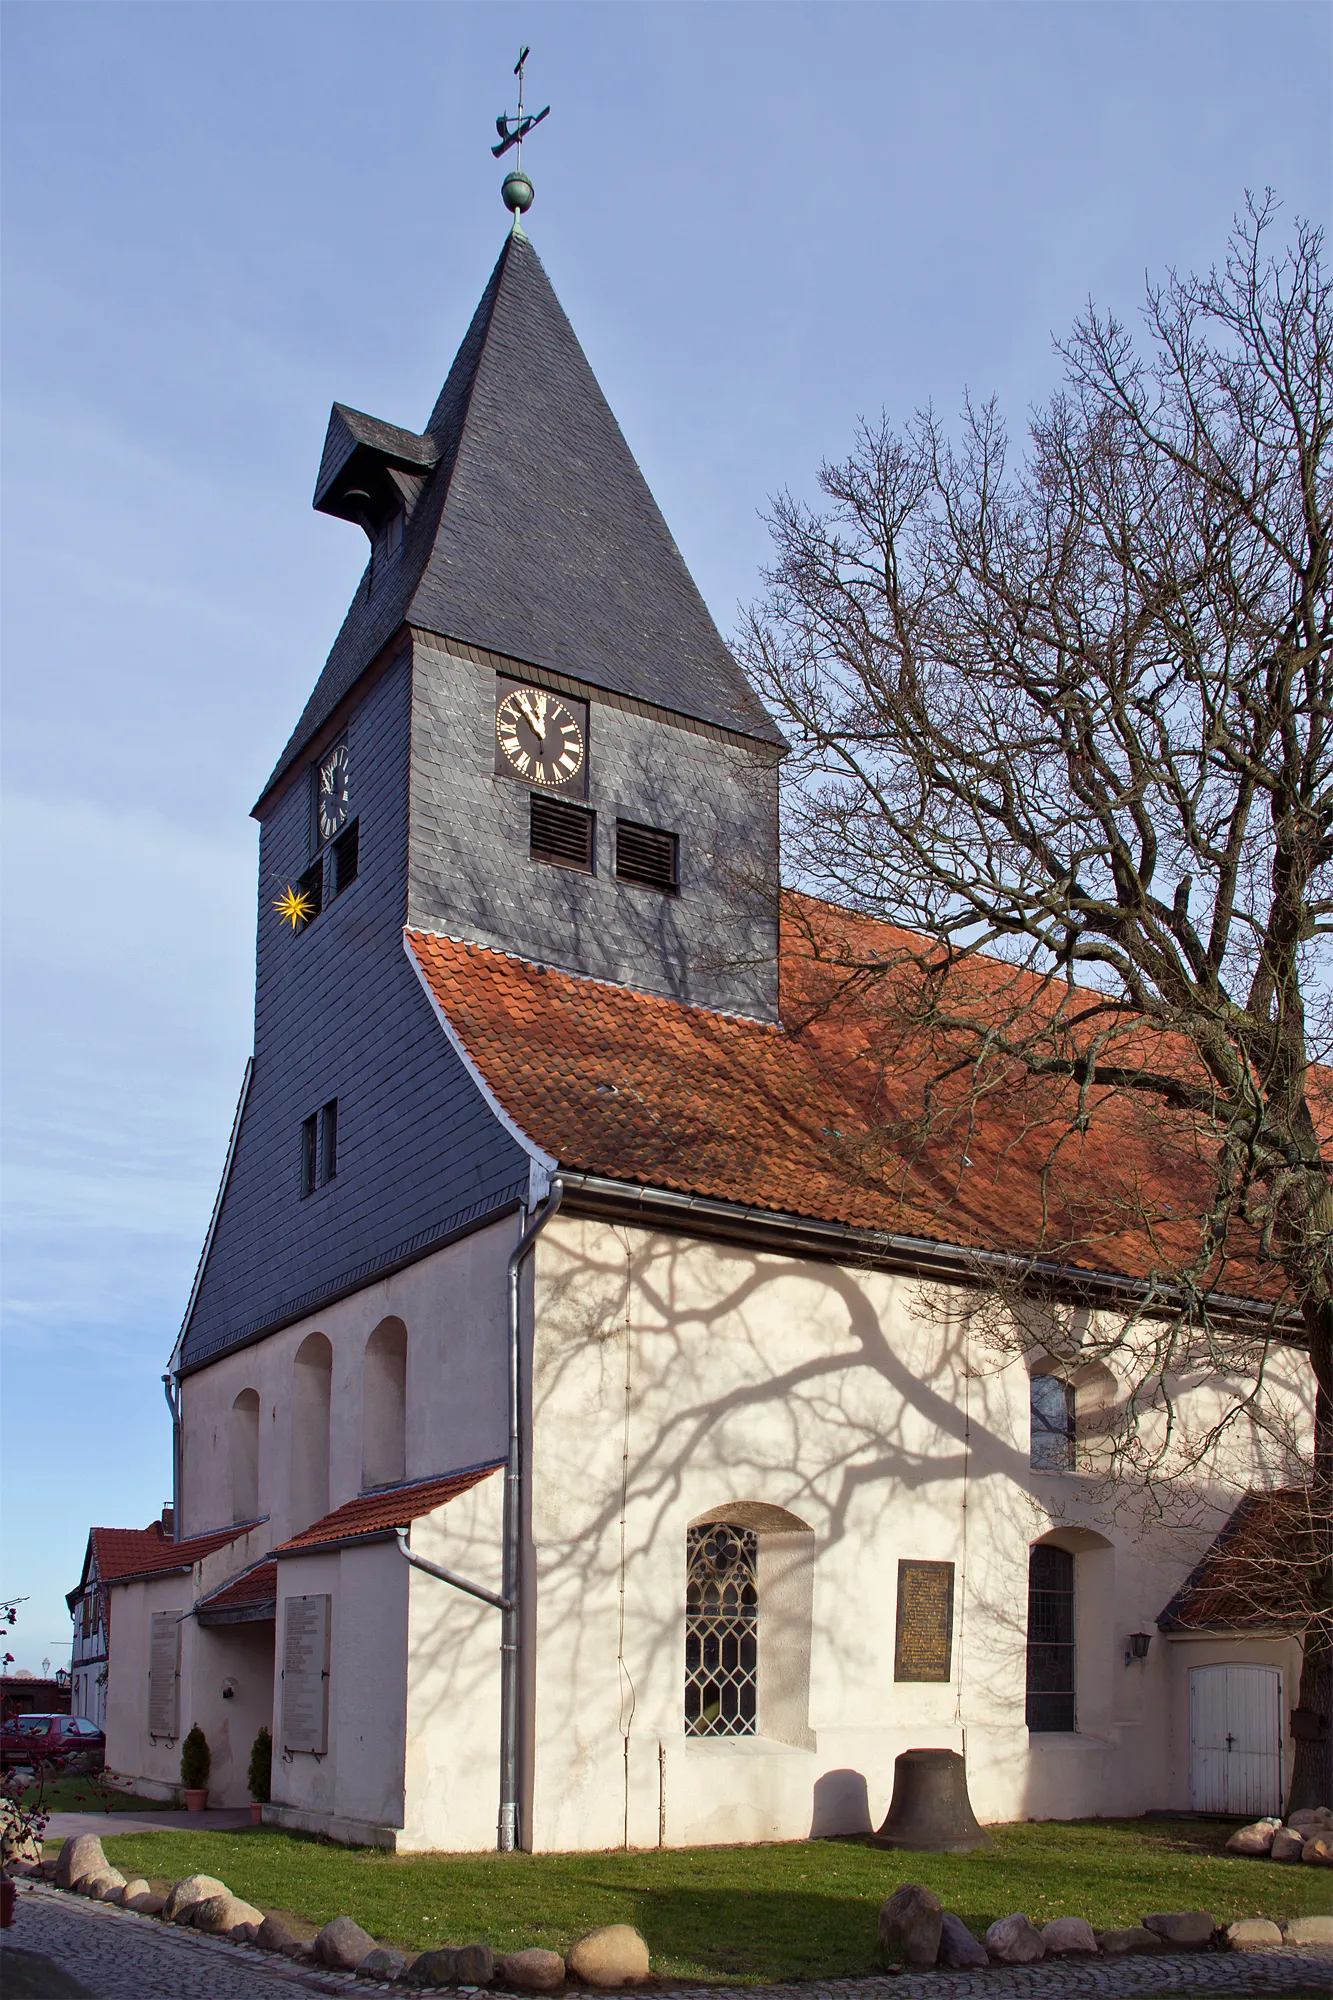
763 221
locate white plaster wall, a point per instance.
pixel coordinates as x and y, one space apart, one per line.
453 1709
697 1375
453 1306
359 1783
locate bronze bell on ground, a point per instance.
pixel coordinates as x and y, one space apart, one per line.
930 1810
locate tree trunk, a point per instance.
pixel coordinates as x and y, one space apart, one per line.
1312 1776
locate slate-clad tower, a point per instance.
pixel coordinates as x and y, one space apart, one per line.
528 734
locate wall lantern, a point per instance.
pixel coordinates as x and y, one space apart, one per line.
229 1689
1139 1643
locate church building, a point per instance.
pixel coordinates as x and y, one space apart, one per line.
576 1443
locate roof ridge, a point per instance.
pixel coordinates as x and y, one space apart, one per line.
595 979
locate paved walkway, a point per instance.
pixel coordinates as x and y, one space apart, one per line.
216 1819
117 1955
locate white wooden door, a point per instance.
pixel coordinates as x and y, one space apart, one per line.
1236 1740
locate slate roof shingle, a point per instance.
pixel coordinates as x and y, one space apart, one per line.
380 1513
535 535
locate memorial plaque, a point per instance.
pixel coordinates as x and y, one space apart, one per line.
164 1664
305 1674
924 1646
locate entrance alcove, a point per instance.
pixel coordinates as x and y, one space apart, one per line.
312 1383
384 1406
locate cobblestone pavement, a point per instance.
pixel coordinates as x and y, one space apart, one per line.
120 1956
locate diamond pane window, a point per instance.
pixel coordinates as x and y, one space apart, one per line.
721 1630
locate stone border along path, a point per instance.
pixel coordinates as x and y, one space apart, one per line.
140 1958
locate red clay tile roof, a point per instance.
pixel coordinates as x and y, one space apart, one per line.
1262 1571
378 1513
258 1585
822 1116
126 1554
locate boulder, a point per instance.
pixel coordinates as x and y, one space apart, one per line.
1134 1943
1014 1941
19 1869
474 1965
532 1971
1319 1850
17 1843
1309 1930
1252 1934
95 1886
243 1934
1069 1937
1183 1930
275 1934
1256 1838
192 1889
224 1914
81 1855
1306 1817
615 1955
136 1886
1287 1845
382 1963
342 1944
910 1923
433 1968
145 1902
958 1947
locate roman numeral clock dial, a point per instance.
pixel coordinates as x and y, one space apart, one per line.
333 792
539 737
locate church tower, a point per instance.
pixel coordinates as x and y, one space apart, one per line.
528 735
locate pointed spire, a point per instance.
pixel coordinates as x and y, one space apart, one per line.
534 535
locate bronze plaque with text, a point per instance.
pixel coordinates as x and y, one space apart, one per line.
924 1646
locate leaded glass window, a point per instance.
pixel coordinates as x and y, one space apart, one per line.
721 1630
1050 1703
1052 1424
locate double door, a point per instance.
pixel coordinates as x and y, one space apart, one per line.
1236 1740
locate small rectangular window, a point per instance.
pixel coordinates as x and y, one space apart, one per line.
648 856
311 886
562 833
1052 1436
346 857
309 1154
328 1141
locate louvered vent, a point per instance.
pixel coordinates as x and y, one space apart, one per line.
562 833
648 856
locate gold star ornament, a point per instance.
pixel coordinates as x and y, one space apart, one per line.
295 906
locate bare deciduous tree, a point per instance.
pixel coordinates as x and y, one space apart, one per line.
1071 707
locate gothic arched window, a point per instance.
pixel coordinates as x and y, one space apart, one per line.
721 1630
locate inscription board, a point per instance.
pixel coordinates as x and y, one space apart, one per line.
923 1649
305 1673
164 1661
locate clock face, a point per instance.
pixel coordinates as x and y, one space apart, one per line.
539 736
332 800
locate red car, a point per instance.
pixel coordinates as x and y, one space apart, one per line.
52 1739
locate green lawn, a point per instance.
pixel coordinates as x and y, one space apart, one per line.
84 1794
799 1910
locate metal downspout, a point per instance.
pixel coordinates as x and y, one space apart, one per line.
171 1389
507 1835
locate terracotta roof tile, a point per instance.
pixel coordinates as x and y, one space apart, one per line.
258 1585
820 1117
1263 1570
376 1513
126 1554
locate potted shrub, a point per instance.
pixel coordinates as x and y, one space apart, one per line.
259 1778
196 1762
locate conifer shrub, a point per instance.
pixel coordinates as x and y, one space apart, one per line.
196 1760
259 1778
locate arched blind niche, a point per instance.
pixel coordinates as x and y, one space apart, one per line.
384 1406
312 1381
245 1456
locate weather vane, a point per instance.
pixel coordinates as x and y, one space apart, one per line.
517 192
